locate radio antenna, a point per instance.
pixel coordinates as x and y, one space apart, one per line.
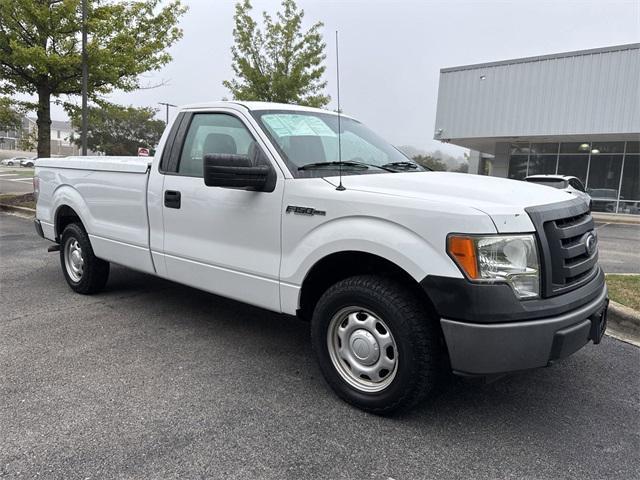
340 187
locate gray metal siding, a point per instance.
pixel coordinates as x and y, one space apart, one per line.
595 93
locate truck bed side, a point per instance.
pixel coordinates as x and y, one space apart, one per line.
109 194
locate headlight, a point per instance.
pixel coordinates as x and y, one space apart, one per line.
499 258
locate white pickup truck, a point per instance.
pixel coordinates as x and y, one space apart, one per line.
403 273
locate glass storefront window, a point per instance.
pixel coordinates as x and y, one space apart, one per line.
574 165
603 182
599 165
631 178
633 147
551 148
519 148
542 164
518 166
607 147
632 208
575 147
486 166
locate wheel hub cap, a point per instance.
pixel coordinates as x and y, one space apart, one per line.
364 347
74 262
75 258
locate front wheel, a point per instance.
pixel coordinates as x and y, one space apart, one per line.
376 344
85 273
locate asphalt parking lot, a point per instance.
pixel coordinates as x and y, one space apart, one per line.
619 247
155 380
16 180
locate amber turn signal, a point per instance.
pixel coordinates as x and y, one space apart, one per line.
463 250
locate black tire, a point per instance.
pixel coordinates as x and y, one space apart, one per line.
420 355
95 272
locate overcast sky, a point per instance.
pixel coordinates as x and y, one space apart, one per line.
391 51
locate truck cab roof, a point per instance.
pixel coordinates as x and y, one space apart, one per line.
256 106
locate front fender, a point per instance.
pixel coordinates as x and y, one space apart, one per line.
374 235
377 236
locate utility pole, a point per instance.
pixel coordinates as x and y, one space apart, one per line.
85 79
167 105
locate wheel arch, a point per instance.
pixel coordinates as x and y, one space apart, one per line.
64 216
69 206
337 266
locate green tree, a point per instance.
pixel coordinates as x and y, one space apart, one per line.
120 130
462 168
28 141
10 114
40 48
430 162
280 64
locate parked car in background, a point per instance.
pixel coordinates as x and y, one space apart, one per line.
28 162
10 162
568 183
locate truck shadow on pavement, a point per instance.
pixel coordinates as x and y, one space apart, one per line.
282 342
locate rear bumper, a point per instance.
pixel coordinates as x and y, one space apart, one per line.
494 348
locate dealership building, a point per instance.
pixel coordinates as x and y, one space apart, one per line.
575 113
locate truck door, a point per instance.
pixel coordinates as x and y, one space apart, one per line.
223 240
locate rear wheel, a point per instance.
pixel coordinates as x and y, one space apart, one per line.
376 345
84 272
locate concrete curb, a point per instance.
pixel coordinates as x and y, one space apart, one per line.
616 218
623 323
20 210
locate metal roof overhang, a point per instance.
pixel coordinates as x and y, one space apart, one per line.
488 144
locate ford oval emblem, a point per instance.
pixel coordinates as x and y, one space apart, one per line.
590 243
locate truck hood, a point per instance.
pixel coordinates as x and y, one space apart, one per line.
502 199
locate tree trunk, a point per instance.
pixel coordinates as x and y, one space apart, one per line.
44 123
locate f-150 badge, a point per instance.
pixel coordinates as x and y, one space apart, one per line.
304 210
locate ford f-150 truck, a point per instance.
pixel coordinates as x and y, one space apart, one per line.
404 273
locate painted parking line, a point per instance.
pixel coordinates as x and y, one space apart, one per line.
8 174
23 180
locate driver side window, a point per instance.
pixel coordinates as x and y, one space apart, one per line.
213 133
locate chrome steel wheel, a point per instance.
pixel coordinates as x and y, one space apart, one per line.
73 259
362 349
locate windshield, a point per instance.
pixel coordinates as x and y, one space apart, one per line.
308 142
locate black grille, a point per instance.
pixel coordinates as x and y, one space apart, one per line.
563 230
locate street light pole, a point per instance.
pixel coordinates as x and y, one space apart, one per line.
167 105
85 79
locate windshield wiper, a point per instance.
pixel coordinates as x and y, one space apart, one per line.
344 163
406 165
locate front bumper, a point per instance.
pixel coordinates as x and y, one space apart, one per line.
494 348
488 331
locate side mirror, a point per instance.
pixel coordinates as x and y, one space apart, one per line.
237 171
